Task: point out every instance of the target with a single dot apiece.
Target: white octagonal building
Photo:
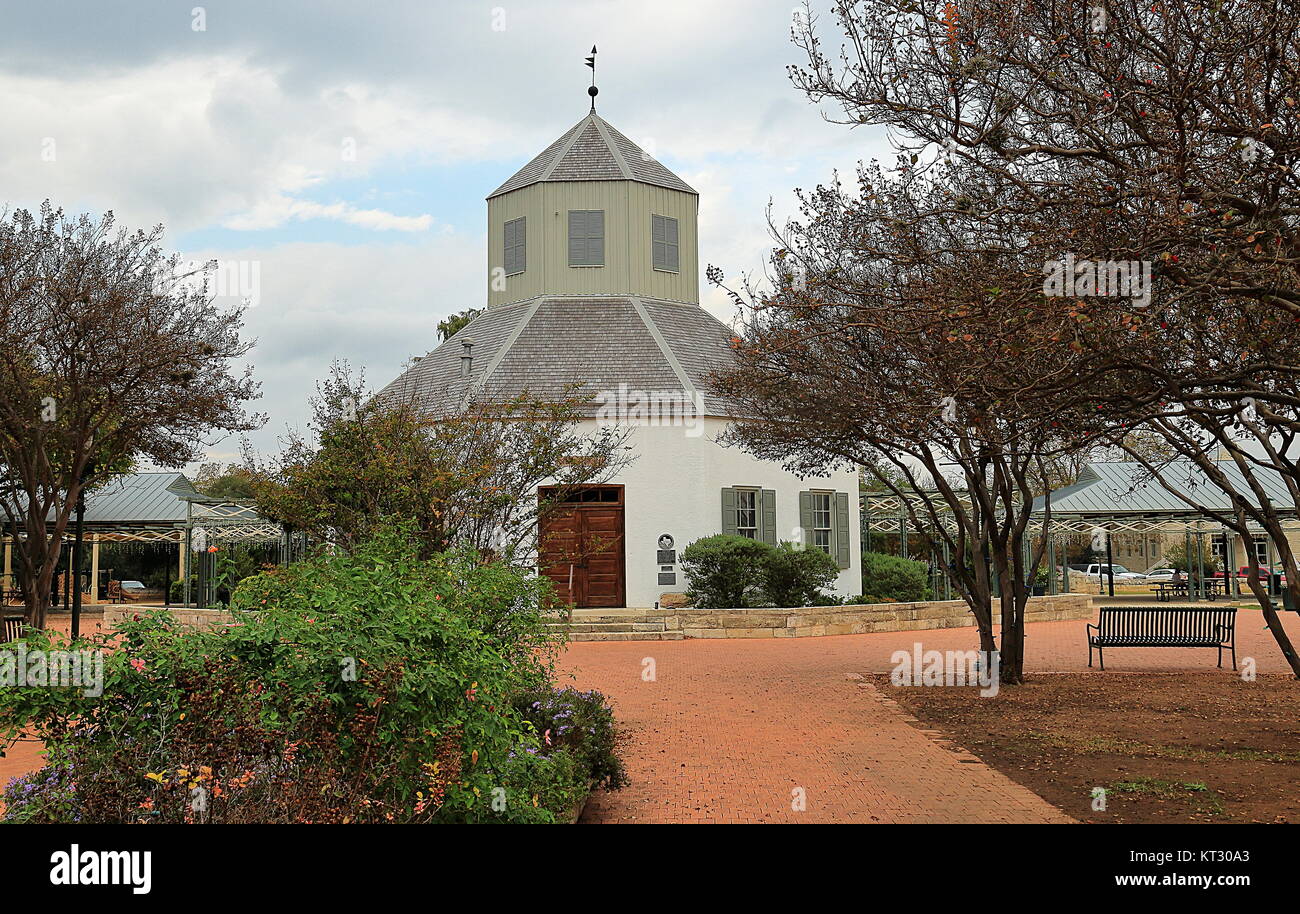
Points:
(593, 273)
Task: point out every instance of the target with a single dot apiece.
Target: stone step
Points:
(626, 636)
(605, 627)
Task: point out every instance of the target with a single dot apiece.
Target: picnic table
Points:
(1210, 588)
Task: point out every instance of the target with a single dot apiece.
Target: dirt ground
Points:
(1165, 747)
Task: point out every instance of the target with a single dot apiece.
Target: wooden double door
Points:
(581, 548)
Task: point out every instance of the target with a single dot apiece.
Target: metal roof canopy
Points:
(163, 508)
(1117, 496)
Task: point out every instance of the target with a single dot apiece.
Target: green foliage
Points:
(232, 482)
(793, 576)
(454, 324)
(233, 564)
(895, 578)
(1177, 557)
(370, 686)
(867, 599)
(734, 572)
(725, 571)
(470, 478)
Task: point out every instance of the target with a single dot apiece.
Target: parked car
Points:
(1121, 574)
(1244, 572)
(1163, 575)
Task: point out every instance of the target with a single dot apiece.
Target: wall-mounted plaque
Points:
(669, 578)
(666, 541)
(667, 557)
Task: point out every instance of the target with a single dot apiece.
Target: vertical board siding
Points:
(628, 244)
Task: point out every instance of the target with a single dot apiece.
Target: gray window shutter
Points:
(768, 520)
(658, 243)
(842, 542)
(663, 242)
(515, 234)
(586, 238)
(577, 237)
(596, 237)
(729, 512)
(805, 517)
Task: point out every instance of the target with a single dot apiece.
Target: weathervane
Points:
(593, 91)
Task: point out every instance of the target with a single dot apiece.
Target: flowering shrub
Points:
(364, 687)
(39, 797)
(581, 723)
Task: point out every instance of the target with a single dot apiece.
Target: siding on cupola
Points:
(628, 269)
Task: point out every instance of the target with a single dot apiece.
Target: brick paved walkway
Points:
(729, 728)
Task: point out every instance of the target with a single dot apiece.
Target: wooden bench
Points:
(1173, 626)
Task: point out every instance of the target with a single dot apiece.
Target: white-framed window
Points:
(1259, 545)
(747, 513)
(586, 237)
(822, 522)
(664, 248)
(515, 257)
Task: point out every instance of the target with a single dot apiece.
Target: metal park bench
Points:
(1174, 626)
(11, 629)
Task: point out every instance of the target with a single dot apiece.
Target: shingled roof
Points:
(592, 150)
(589, 345)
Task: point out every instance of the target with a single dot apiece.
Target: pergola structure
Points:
(164, 510)
(1111, 500)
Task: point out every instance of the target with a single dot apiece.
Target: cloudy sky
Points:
(234, 124)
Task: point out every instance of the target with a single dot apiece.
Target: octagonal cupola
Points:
(593, 215)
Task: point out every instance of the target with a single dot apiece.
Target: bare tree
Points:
(1162, 136)
(898, 343)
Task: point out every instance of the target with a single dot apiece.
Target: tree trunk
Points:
(1012, 656)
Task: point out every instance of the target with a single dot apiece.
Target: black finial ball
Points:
(593, 91)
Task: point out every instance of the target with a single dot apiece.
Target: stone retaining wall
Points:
(855, 620)
(186, 616)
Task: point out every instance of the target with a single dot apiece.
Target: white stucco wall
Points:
(674, 486)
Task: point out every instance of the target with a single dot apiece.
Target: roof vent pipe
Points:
(466, 357)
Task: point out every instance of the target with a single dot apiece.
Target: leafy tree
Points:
(232, 482)
(106, 357)
(470, 477)
(454, 324)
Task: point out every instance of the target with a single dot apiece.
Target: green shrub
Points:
(725, 572)
(364, 687)
(895, 578)
(867, 599)
(794, 576)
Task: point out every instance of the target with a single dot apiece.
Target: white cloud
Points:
(279, 209)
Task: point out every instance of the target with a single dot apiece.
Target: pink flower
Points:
(137, 664)
(547, 737)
